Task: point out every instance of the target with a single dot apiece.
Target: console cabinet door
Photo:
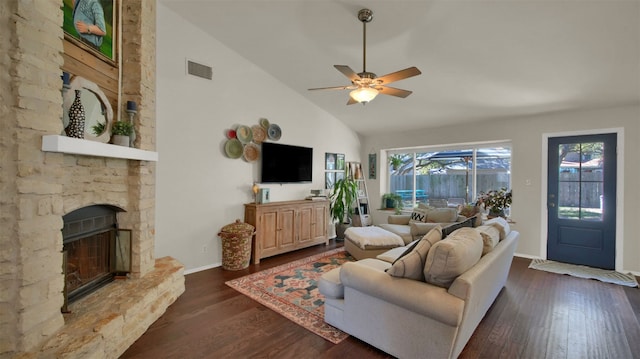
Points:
(267, 232)
(305, 224)
(319, 222)
(286, 228)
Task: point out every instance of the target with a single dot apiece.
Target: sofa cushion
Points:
(490, 237)
(452, 256)
(469, 222)
(418, 215)
(404, 231)
(442, 215)
(399, 219)
(411, 263)
(501, 224)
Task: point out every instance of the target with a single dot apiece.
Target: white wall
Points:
(528, 159)
(199, 189)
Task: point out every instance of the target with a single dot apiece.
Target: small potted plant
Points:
(121, 131)
(343, 195)
(496, 201)
(392, 200)
(98, 128)
(395, 161)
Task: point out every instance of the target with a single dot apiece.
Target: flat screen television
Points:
(286, 163)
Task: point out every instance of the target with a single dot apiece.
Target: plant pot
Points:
(390, 203)
(120, 140)
(340, 229)
(494, 214)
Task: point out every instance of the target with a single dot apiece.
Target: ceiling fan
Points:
(366, 85)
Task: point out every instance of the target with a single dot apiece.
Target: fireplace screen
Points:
(95, 251)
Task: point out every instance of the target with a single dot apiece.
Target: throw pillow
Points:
(418, 215)
(453, 256)
(469, 222)
(442, 215)
(501, 224)
(469, 210)
(490, 237)
(411, 264)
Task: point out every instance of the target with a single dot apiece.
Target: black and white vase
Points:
(76, 118)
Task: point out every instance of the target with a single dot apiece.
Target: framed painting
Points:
(340, 161)
(330, 161)
(373, 165)
(92, 25)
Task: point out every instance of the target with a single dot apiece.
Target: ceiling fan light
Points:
(364, 94)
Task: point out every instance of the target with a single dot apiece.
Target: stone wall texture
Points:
(37, 188)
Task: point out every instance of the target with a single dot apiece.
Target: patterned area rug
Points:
(292, 291)
(603, 275)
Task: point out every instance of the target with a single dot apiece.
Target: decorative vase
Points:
(76, 118)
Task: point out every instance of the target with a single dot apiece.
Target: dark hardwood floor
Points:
(537, 315)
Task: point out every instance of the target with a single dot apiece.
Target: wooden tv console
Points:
(286, 226)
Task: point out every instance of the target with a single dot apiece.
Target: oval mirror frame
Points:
(95, 111)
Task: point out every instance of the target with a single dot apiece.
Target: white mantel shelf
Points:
(77, 146)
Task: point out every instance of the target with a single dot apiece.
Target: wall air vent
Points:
(196, 69)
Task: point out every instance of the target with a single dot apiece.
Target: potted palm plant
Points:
(120, 132)
(343, 195)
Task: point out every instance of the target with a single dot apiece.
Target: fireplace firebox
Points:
(95, 251)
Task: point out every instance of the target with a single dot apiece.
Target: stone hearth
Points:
(105, 323)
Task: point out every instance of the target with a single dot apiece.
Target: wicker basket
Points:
(236, 245)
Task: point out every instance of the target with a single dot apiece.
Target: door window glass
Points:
(581, 181)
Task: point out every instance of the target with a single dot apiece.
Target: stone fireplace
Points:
(38, 189)
(95, 251)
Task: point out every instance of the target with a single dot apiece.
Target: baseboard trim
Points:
(200, 269)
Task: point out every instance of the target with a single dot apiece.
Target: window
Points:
(450, 176)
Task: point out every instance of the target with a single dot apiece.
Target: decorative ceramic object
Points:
(233, 148)
(274, 132)
(259, 134)
(251, 152)
(76, 118)
(120, 140)
(244, 134)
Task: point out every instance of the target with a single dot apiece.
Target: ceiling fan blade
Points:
(398, 75)
(347, 71)
(385, 90)
(333, 88)
(351, 101)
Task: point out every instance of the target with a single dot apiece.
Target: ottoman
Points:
(368, 242)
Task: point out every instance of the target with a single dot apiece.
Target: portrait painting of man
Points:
(91, 23)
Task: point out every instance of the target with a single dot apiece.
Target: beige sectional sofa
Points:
(433, 314)
(409, 228)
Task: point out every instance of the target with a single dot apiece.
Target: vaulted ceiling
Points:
(479, 59)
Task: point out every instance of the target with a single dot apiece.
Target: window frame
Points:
(473, 190)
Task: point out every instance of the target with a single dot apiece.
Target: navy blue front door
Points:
(581, 200)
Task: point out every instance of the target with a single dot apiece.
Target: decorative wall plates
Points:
(274, 132)
(259, 134)
(251, 152)
(244, 134)
(233, 148)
